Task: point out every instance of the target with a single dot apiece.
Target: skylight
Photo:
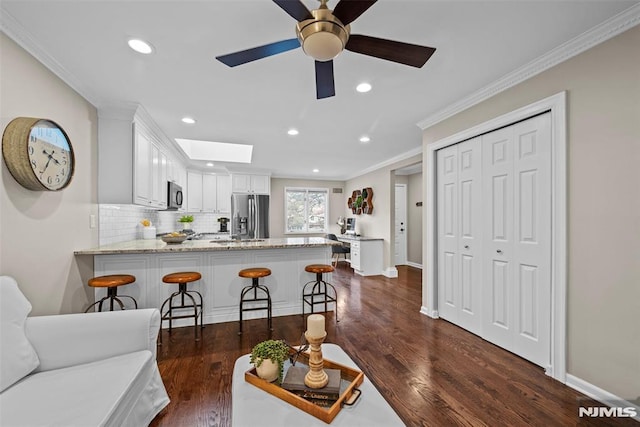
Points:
(216, 151)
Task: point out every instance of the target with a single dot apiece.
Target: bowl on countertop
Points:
(175, 239)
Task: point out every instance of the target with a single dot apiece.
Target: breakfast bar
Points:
(218, 261)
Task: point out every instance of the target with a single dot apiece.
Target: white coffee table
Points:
(252, 407)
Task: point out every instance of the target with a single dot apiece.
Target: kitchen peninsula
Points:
(219, 262)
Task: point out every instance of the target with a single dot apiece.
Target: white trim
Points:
(599, 394)
(390, 272)
(598, 34)
(327, 209)
(431, 313)
(414, 264)
(19, 34)
(389, 162)
(556, 104)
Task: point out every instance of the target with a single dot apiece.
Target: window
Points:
(306, 210)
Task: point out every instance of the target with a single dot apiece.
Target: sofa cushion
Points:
(102, 393)
(16, 352)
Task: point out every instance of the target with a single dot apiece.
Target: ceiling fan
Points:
(324, 33)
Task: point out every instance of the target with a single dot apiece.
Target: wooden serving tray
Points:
(353, 376)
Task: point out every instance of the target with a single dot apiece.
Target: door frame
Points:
(556, 105)
(406, 243)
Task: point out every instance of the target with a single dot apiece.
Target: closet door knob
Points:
(466, 246)
(499, 251)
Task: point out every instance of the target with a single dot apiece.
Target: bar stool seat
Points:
(182, 278)
(255, 274)
(319, 291)
(111, 282)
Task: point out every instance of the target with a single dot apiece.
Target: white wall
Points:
(40, 230)
(603, 115)
(381, 222)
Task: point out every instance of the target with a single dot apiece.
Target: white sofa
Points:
(94, 369)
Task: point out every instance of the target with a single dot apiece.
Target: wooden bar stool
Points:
(316, 291)
(111, 282)
(182, 278)
(255, 274)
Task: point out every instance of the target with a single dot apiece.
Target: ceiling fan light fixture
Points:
(324, 37)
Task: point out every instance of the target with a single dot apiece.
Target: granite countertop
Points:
(158, 246)
(360, 238)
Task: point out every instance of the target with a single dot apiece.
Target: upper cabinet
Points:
(223, 193)
(245, 183)
(149, 172)
(135, 159)
(208, 193)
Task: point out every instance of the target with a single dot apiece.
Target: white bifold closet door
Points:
(459, 234)
(494, 237)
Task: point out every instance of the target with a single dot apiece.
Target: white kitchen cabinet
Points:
(213, 193)
(209, 193)
(194, 191)
(150, 173)
(223, 193)
(135, 159)
(256, 184)
(142, 170)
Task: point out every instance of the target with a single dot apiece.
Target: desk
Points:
(366, 254)
(252, 406)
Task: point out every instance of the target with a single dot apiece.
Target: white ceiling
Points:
(477, 42)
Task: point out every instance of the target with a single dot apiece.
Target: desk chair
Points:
(337, 250)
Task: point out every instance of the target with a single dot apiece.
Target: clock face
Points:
(50, 155)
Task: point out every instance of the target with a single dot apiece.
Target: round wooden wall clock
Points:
(38, 154)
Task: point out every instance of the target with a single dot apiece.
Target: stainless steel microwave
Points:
(174, 194)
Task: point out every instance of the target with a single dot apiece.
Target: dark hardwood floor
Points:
(432, 372)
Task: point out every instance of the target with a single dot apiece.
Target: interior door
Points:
(460, 238)
(517, 221)
(401, 225)
(447, 219)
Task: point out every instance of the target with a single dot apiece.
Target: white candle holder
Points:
(316, 377)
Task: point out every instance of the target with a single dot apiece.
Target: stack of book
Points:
(324, 397)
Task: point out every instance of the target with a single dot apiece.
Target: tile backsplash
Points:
(121, 223)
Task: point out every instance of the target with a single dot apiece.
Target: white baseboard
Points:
(433, 314)
(391, 272)
(599, 394)
(414, 264)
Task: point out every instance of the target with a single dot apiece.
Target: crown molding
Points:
(389, 162)
(19, 34)
(598, 34)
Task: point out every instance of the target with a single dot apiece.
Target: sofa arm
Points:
(72, 339)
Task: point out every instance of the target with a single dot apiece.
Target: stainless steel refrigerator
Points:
(250, 216)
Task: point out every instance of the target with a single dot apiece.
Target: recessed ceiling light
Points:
(316, 170)
(210, 164)
(293, 132)
(140, 46)
(363, 87)
(365, 139)
(188, 120)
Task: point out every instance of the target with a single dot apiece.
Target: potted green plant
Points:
(186, 221)
(268, 358)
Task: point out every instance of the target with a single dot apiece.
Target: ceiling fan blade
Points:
(295, 9)
(325, 86)
(253, 54)
(348, 11)
(403, 53)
